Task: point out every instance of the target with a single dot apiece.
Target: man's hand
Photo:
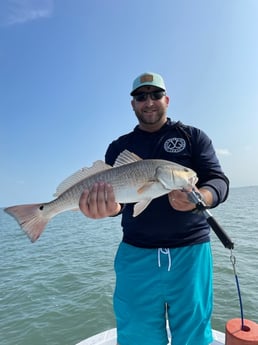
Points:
(179, 199)
(99, 201)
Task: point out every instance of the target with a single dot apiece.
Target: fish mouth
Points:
(187, 180)
(193, 180)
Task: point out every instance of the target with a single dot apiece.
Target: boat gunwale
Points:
(105, 338)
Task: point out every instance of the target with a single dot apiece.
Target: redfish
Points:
(134, 180)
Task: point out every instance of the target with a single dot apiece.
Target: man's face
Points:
(151, 112)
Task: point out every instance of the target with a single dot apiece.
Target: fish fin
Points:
(145, 187)
(31, 218)
(162, 176)
(126, 157)
(80, 175)
(140, 206)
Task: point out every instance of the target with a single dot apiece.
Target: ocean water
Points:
(58, 290)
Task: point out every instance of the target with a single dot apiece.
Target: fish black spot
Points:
(41, 207)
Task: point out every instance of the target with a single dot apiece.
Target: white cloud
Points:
(223, 152)
(22, 11)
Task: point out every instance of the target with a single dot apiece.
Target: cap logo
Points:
(146, 78)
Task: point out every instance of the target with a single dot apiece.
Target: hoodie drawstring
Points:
(164, 251)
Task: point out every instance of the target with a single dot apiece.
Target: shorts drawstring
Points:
(165, 251)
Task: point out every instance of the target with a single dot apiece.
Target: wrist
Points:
(206, 196)
(117, 211)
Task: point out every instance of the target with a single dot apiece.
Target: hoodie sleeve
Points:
(208, 169)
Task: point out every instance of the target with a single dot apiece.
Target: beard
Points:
(150, 117)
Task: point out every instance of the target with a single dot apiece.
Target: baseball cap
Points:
(148, 79)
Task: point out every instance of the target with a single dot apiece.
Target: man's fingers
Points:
(99, 201)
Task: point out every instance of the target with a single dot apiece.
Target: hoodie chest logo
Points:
(174, 145)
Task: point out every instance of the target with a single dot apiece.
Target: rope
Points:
(233, 261)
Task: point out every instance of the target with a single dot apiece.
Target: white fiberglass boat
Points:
(109, 338)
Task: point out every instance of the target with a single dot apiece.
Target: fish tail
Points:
(32, 218)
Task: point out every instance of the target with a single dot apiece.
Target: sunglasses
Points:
(154, 95)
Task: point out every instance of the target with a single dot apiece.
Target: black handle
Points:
(201, 206)
(220, 233)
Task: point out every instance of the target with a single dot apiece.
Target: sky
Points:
(66, 72)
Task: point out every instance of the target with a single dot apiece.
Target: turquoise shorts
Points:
(153, 285)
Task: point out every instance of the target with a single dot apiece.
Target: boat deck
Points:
(109, 338)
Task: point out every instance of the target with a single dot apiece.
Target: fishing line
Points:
(233, 261)
(197, 199)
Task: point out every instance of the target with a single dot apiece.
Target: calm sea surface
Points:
(58, 290)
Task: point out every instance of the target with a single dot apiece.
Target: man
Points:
(163, 264)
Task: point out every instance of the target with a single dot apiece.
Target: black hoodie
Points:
(159, 225)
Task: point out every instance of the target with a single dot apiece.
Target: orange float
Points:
(238, 335)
